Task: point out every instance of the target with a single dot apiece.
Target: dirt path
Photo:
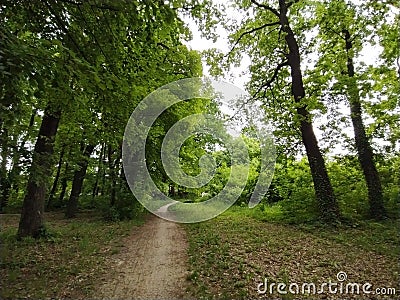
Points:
(152, 266)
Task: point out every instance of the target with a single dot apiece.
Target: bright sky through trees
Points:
(239, 75)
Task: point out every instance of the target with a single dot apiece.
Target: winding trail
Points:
(153, 265)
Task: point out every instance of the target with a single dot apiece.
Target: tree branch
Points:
(267, 84)
(92, 33)
(249, 32)
(272, 79)
(267, 7)
(71, 2)
(162, 45)
(61, 24)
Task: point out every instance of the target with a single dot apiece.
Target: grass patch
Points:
(232, 254)
(64, 264)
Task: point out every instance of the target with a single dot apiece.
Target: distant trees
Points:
(82, 67)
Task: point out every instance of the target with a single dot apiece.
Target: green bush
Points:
(125, 208)
(293, 183)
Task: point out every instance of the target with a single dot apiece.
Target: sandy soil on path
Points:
(153, 265)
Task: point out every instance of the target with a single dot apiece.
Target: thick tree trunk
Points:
(79, 176)
(364, 149)
(31, 222)
(328, 206)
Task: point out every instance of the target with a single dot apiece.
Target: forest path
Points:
(153, 265)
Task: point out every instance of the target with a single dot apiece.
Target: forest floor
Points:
(239, 255)
(88, 258)
(224, 258)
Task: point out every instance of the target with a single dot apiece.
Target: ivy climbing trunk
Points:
(79, 176)
(32, 218)
(364, 149)
(328, 206)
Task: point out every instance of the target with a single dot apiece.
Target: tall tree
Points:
(346, 36)
(270, 37)
(31, 222)
(77, 183)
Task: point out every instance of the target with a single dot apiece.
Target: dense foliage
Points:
(71, 73)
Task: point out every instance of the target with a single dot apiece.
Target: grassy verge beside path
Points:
(232, 254)
(64, 264)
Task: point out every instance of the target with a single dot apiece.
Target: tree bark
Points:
(31, 222)
(364, 149)
(328, 206)
(79, 176)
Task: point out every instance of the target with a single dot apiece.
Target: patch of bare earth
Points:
(153, 265)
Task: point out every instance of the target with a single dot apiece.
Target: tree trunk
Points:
(31, 222)
(15, 172)
(102, 188)
(64, 184)
(96, 188)
(364, 149)
(56, 179)
(113, 165)
(79, 176)
(4, 180)
(328, 206)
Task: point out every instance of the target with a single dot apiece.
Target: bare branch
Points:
(71, 2)
(92, 33)
(267, 7)
(63, 27)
